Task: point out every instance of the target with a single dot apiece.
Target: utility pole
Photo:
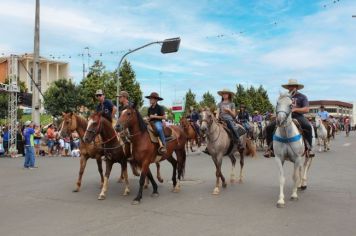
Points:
(36, 105)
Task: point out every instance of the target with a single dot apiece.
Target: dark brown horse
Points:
(192, 135)
(112, 145)
(145, 152)
(71, 123)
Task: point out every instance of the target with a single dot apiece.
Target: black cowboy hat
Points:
(155, 96)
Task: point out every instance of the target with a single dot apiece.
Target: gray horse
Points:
(288, 144)
(218, 144)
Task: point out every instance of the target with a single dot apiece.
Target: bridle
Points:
(209, 123)
(124, 125)
(284, 121)
(95, 131)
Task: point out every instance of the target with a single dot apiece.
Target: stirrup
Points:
(162, 150)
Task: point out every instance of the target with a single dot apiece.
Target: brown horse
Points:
(145, 152)
(71, 123)
(112, 145)
(190, 133)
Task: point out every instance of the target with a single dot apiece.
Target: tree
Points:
(254, 99)
(128, 83)
(189, 101)
(97, 78)
(208, 101)
(62, 96)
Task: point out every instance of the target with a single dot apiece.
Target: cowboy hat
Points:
(322, 106)
(224, 91)
(99, 92)
(293, 82)
(256, 112)
(155, 96)
(123, 94)
(27, 123)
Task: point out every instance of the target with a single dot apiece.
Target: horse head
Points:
(318, 121)
(284, 109)
(207, 120)
(93, 128)
(129, 118)
(69, 124)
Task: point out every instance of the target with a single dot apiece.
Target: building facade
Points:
(50, 71)
(335, 108)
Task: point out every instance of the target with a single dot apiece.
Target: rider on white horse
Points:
(300, 107)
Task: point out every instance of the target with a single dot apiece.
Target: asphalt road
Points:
(41, 202)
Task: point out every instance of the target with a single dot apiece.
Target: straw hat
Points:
(27, 123)
(293, 82)
(155, 96)
(226, 91)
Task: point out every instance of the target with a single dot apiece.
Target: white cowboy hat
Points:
(293, 82)
(27, 123)
(221, 92)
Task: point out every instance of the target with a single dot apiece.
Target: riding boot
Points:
(269, 152)
(206, 151)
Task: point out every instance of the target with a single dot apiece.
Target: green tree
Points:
(62, 96)
(189, 101)
(97, 78)
(208, 101)
(128, 83)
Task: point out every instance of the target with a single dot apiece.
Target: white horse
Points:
(288, 144)
(323, 137)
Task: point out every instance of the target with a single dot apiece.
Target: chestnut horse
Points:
(112, 145)
(71, 123)
(145, 152)
(190, 132)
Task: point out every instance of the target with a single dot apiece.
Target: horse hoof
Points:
(281, 205)
(160, 179)
(126, 193)
(154, 195)
(120, 181)
(176, 190)
(145, 187)
(216, 192)
(241, 181)
(75, 190)
(303, 188)
(135, 202)
(232, 181)
(224, 185)
(294, 199)
(101, 197)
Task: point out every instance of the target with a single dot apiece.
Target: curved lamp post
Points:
(168, 46)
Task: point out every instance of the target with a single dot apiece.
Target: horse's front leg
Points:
(83, 163)
(104, 189)
(126, 178)
(144, 171)
(296, 178)
(159, 177)
(174, 174)
(99, 163)
(307, 164)
(280, 202)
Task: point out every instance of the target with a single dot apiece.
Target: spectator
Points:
(29, 146)
(50, 139)
(37, 139)
(2, 151)
(5, 140)
(13, 151)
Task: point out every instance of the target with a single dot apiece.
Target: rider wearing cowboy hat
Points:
(156, 114)
(226, 112)
(243, 117)
(105, 106)
(300, 107)
(324, 115)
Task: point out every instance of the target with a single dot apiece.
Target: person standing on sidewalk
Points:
(28, 134)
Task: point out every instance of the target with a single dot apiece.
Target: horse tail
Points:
(251, 149)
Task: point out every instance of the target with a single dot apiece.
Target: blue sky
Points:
(264, 42)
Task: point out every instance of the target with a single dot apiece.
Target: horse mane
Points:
(80, 120)
(141, 122)
(284, 95)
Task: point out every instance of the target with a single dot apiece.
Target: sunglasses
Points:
(99, 95)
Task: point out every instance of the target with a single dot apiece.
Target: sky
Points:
(224, 42)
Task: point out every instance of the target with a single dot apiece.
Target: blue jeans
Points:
(29, 156)
(159, 129)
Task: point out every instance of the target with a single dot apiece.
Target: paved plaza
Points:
(41, 201)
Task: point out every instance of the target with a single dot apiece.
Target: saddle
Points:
(168, 133)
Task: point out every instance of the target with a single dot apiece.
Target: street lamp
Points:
(168, 46)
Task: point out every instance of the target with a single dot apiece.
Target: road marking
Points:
(346, 144)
